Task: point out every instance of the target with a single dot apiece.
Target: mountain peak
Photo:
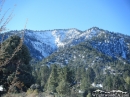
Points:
(45, 42)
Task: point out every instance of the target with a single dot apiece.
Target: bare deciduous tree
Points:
(4, 20)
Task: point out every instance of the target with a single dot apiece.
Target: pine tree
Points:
(89, 95)
(87, 77)
(127, 80)
(66, 74)
(108, 83)
(52, 80)
(84, 85)
(90, 75)
(63, 88)
(14, 65)
(118, 83)
(65, 81)
(44, 74)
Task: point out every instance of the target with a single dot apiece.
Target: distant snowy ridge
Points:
(43, 43)
(46, 42)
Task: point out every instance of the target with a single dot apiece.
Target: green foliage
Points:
(66, 74)
(52, 80)
(127, 80)
(108, 83)
(44, 75)
(87, 78)
(81, 65)
(11, 77)
(57, 76)
(66, 79)
(62, 79)
(63, 88)
(114, 82)
(80, 55)
(90, 75)
(84, 84)
(14, 49)
(15, 69)
(89, 95)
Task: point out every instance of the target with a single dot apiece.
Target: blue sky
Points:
(112, 15)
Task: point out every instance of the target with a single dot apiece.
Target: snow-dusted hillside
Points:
(113, 44)
(43, 43)
(47, 42)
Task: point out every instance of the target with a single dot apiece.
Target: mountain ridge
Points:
(45, 42)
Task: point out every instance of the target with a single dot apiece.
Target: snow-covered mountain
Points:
(43, 43)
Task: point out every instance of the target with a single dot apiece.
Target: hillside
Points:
(84, 60)
(43, 43)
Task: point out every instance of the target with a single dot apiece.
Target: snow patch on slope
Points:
(48, 41)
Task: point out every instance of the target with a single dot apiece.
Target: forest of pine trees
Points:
(18, 75)
(65, 80)
(15, 70)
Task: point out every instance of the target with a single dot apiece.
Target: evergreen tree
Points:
(90, 75)
(84, 85)
(127, 80)
(63, 88)
(52, 80)
(89, 95)
(108, 83)
(118, 83)
(66, 79)
(66, 74)
(15, 71)
(44, 74)
(80, 73)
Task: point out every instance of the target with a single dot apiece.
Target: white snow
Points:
(123, 52)
(1, 88)
(97, 85)
(51, 38)
(124, 55)
(81, 91)
(38, 46)
(54, 39)
(66, 61)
